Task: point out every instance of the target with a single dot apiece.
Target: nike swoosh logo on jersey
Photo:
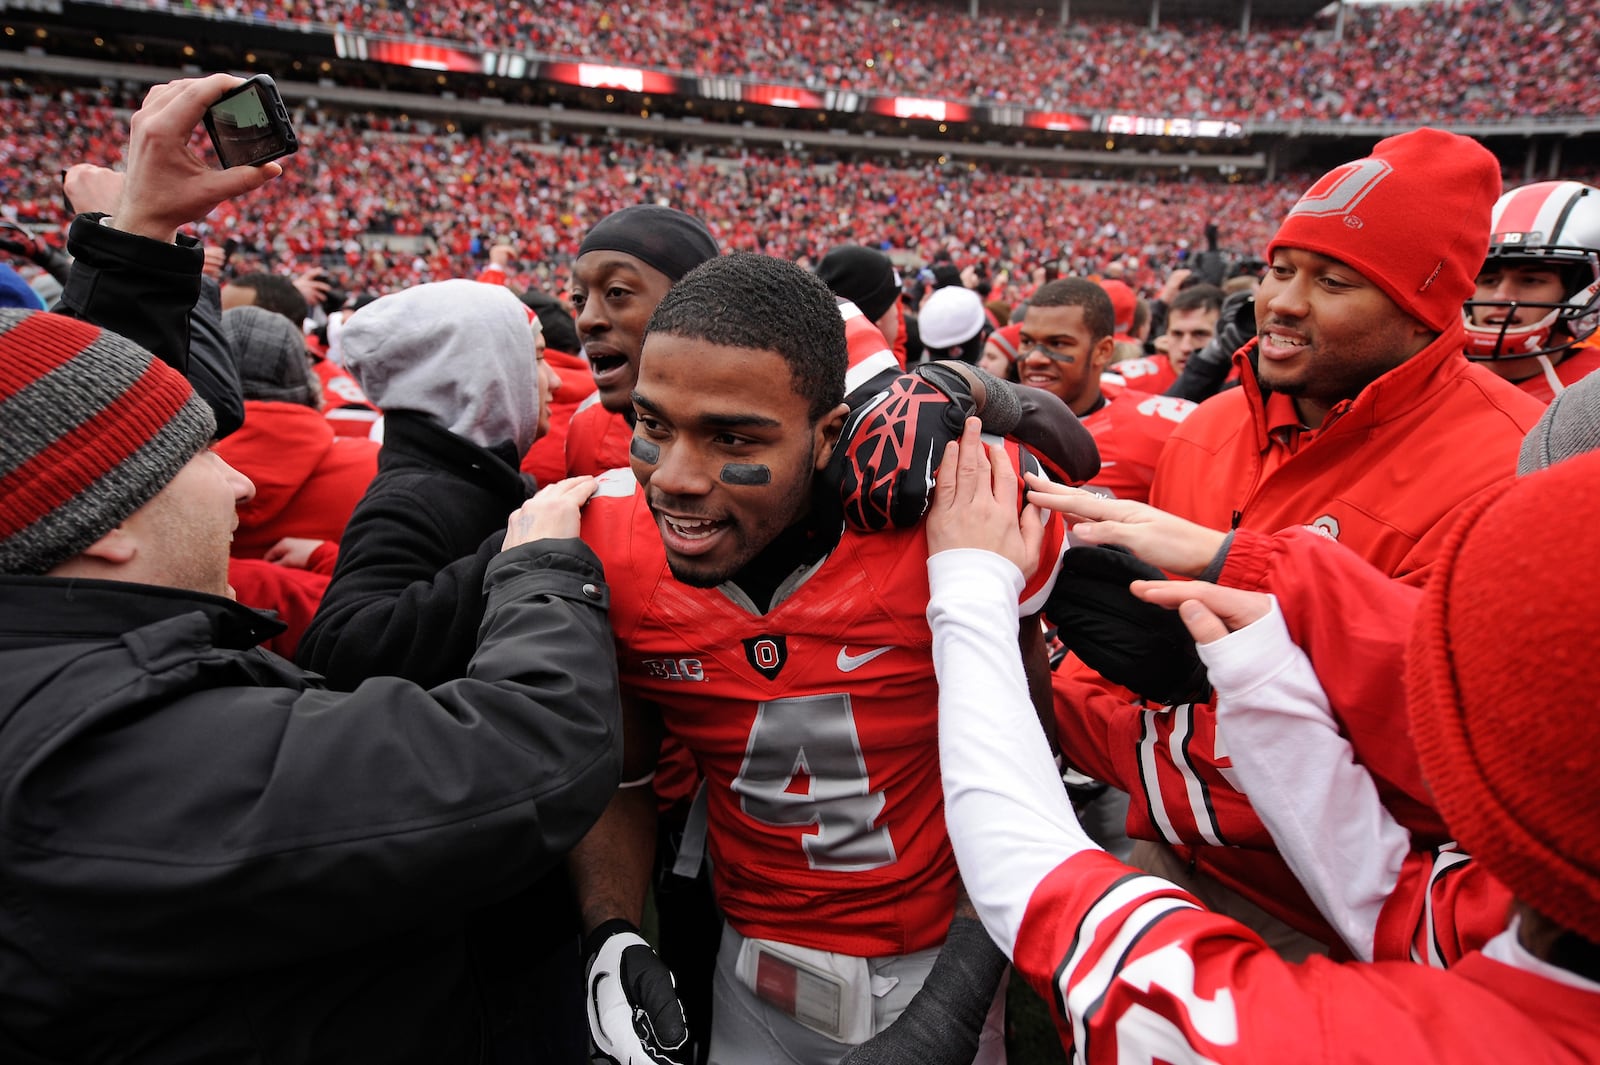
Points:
(849, 663)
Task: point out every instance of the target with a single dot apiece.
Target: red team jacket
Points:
(814, 725)
(1356, 622)
(1384, 476)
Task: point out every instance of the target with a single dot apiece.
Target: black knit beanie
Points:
(662, 237)
(862, 275)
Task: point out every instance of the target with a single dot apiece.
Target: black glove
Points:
(1127, 641)
(1207, 368)
(635, 1017)
(17, 240)
(942, 1023)
(883, 468)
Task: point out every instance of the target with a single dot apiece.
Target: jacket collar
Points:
(1391, 396)
(56, 608)
(419, 436)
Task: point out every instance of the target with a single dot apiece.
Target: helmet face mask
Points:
(1551, 225)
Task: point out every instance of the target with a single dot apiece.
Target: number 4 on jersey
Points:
(815, 736)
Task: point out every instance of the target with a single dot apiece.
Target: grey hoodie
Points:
(460, 351)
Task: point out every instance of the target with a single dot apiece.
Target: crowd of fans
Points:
(1477, 59)
(456, 195)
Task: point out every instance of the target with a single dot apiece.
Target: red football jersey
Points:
(1130, 431)
(1150, 373)
(597, 439)
(815, 726)
(1583, 361)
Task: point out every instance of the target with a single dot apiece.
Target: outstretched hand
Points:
(1167, 541)
(975, 504)
(166, 184)
(1209, 611)
(554, 513)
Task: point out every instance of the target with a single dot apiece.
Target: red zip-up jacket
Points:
(1384, 475)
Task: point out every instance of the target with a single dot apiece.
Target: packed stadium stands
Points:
(1473, 60)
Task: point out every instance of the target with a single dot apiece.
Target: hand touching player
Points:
(553, 513)
(975, 504)
(1161, 539)
(1210, 611)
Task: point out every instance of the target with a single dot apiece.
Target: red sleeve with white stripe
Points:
(1169, 758)
(1136, 972)
(1444, 906)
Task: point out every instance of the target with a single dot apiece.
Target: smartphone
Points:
(249, 125)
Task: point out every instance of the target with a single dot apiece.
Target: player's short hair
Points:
(763, 304)
(276, 294)
(1197, 297)
(1076, 292)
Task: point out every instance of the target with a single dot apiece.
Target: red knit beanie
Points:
(1412, 217)
(1009, 340)
(1500, 681)
(93, 427)
(1123, 305)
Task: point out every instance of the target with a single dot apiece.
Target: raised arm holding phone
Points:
(132, 272)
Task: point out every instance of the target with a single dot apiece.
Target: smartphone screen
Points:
(249, 126)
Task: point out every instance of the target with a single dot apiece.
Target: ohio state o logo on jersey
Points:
(1341, 188)
(767, 654)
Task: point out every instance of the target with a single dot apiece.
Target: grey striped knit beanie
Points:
(1569, 427)
(92, 426)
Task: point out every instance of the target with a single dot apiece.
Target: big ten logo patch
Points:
(688, 669)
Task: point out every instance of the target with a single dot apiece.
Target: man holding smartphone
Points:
(208, 855)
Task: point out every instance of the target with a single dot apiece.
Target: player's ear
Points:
(827, 432)
(1100, 357)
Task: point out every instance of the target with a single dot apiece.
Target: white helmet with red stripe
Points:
(1550, 223)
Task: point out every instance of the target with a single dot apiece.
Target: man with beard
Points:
(1358, 416)
(792, 659)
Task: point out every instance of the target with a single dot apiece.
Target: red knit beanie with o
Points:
(1500, 682)
(1412, 218)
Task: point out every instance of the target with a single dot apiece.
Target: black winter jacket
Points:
(153, 294)
(407, 592)
(407, 599)
(204, 856)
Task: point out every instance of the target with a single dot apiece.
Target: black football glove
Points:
(1127, 641)
(635, 1017)
(882, 470)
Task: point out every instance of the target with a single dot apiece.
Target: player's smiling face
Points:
(726, 452)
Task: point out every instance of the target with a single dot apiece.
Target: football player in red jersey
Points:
(626, 263)
(1065, 344)
(1537, 302)
(791, 657)
(1134, 969)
